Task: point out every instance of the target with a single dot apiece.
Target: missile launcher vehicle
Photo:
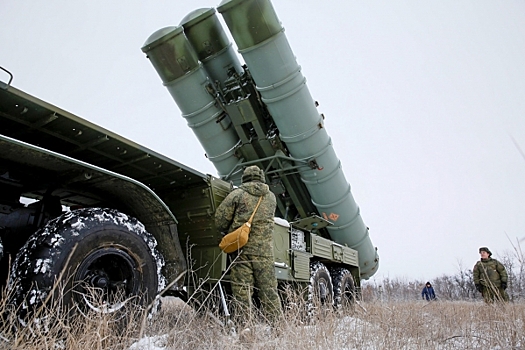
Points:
(85, 206)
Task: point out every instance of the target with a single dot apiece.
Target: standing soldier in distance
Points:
(490, 277)
(254, 265)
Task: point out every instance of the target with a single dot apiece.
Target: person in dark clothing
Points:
(428, 292)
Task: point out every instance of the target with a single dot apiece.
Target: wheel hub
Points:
(99, 281)
(107, 277)
(323, 290)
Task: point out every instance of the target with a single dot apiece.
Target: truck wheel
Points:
(320, 289)
(96, 253)
(344, 290)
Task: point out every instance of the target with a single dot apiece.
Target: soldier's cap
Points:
(485, 249)
(253, 173)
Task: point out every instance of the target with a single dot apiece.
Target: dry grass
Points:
(370, 325)
(445, 325)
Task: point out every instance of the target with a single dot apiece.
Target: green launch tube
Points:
(207, 37)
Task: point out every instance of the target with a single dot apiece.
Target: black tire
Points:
(99, 248)
(320, 289)
(344, 288)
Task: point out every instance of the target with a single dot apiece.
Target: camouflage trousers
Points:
(492, 294)
(255, 274)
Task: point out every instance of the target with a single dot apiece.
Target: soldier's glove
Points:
(479, 288)
(504, 285)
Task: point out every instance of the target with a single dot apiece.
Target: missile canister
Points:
(185, 78)
(260, 38)
(207, 37)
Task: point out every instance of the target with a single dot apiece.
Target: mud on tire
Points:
(92, 249)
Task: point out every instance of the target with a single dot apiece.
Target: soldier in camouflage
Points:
(253, 268)
(490, 277)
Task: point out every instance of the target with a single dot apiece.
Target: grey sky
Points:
(422, 100)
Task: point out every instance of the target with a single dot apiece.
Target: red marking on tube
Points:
(333, 216)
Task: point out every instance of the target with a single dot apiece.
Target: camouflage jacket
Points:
(489, 271)
(237, 208)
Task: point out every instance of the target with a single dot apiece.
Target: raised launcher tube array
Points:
(260, 38)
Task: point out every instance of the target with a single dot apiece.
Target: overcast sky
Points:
(422, 101)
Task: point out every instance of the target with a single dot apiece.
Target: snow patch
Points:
(281, 222)
(151, 343)
(42, 265)
(78, 225)
(34, 296)
(56, 240)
